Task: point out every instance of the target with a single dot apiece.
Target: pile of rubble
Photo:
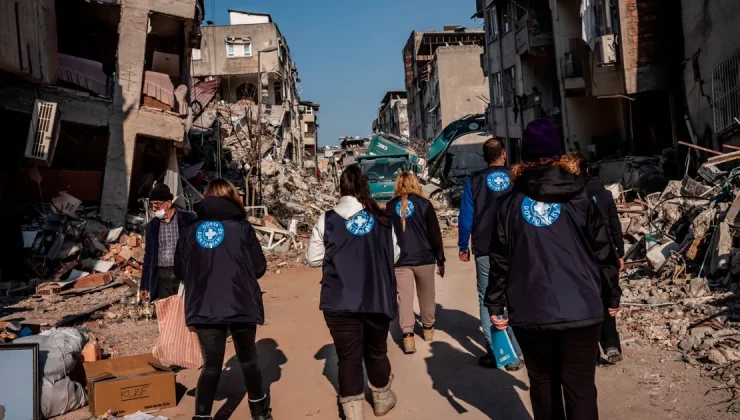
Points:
(77, 264)
(290, 193)
(680, 283)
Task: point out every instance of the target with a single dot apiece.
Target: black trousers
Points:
(169, 284)
(561, 363)
(213, 346)
(609, 334)
(358, 338)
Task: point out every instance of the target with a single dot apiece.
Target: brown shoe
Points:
(428, 334)
(409, 346)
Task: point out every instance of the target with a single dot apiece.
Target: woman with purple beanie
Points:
(554, 270)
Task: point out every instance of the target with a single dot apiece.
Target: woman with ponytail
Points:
(420, 239)
(355, 245)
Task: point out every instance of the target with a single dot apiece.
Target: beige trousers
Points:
(421, 277)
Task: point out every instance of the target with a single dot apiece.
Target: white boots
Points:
(353, 407)
(384, 399)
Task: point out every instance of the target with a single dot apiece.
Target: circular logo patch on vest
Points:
(538, 213)
(409, 208)
(210, 234)
(360, 224)
(498, 181)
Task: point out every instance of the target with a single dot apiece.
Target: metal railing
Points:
(726, 92)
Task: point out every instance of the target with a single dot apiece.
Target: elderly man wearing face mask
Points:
(158, 280)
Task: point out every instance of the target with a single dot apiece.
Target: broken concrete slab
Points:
(698, 287)
(101, 266)
(658, 254)
(703, 222)
(114, 234)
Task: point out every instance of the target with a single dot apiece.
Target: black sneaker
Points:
(513, 367)
(613, 355)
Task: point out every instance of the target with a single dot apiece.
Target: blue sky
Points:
(348, 52)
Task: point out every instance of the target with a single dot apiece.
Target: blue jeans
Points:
(482, 266)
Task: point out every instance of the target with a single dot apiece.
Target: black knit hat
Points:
(161, 192)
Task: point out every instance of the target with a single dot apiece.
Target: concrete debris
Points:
(658, 255)
(685, 294)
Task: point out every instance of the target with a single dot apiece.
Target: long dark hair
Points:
(353, 183)
(226, 190)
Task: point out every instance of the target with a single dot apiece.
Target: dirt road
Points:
(442, 380)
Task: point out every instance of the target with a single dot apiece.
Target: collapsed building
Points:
(96, 95)
(393, 117)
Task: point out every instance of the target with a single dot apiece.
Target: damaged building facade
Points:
(115, 92)
(444, 80)
(309, 114)
(107, 82)
(393, 114)
(603, 70)
(252, 61)
(710, 76)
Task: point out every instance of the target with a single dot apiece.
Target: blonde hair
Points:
(406, 183)
(570, 162)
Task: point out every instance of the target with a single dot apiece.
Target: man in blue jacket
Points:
(158, 279)
(477, 212)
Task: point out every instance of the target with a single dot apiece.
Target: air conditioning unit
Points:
(484, 64)
(606, 50)
(43, 132)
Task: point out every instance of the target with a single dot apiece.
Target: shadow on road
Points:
(463, 328)
(457, 377)
(328, 353)
(231, 386)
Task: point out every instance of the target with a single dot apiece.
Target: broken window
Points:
(88, 65)
(726, 93)
(507, 16)
(492, 24)
(278, 88)
(164, 86)
(498, 92)
(510, 84)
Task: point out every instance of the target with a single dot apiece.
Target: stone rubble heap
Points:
(680, 286)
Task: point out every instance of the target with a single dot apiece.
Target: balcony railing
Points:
(529, 38)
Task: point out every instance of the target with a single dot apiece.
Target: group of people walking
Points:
(546, 263)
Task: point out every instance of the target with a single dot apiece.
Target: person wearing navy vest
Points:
(420, 240)
(610, 342)
(479, 204)
(553, 267)
(219, 258)
(356, 247)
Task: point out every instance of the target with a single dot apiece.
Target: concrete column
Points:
(124, 113)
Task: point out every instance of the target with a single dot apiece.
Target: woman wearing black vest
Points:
(420, 240)
(220, 259)
(355, 244)
(553, 267)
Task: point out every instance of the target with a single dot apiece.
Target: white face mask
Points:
(160, 214)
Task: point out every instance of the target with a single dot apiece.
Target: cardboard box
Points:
(126, 385)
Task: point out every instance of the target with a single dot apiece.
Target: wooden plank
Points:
(704, 149)
(731, 147)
